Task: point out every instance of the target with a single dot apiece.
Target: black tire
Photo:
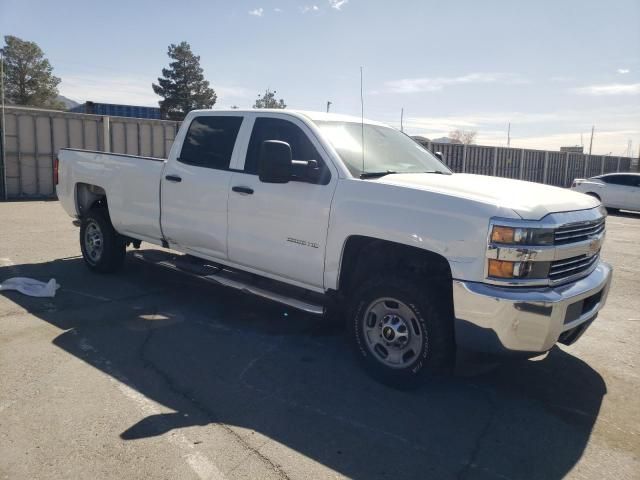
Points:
(96, 223)
(436, 355)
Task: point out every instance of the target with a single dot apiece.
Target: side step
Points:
(294, 297)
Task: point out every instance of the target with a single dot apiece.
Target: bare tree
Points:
(466, 137)
(268, 100)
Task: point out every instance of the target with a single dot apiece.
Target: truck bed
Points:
(132, 185)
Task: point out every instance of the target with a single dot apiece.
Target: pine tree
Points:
(28, 75)
(182, 85)
(268, 100)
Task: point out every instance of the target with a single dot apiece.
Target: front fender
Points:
(455, 228)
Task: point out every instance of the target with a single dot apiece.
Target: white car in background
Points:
(615, 190)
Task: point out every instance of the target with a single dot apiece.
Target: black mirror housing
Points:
(275, 164)
(439, 156)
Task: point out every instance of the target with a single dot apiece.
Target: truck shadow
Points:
(211, 356)
(625, 214)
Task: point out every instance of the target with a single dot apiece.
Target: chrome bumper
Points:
(506, 319)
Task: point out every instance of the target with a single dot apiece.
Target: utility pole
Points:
(3, 169)
(591, 141)
(328, 105)
(401, 119)
(509, 135)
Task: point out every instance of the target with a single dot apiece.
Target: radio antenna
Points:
(362, 118)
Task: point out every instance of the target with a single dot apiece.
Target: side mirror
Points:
(306, 170)
(439, 156)
(274, 163)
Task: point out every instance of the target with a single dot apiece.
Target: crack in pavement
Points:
(471, 462)
(199, 463)
(203, 409)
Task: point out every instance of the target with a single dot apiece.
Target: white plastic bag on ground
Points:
(30, 286)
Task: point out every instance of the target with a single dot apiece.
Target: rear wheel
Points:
(400, 333)
(103, 249)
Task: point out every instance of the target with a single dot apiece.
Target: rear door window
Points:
(210, 141)
(631, 180)
(625, 180)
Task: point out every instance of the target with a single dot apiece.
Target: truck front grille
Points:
(568, 267)
(577, 232)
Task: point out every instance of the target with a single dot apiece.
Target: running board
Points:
(293, 297)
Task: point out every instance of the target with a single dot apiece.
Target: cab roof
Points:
(314, 116)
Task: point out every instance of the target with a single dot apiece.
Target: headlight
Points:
(521, 236)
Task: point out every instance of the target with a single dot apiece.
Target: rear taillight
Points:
(55, 171)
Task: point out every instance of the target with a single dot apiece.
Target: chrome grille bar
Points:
(576, 232)
(571, 266)
(568, 261)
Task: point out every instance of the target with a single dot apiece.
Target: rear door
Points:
(614, 193)
(281, 229)
(195, 186)
(632, 192)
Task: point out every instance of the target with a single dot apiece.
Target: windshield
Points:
(385, 149)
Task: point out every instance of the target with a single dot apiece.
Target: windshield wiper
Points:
(391, 172)
(376, 174)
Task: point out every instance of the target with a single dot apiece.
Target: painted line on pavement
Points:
(201, 465)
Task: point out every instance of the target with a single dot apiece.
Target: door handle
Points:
(173, 178)
(245, 190)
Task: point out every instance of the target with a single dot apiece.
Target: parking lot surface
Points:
(150, 374)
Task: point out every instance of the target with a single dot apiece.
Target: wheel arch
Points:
(365, 256)
(89, 196)
(594, 194)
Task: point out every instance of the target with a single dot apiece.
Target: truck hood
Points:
(529, 200)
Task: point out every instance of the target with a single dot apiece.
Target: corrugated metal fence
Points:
(542, 166)
(33, 138)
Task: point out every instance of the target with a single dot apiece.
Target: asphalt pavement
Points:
(149, 374)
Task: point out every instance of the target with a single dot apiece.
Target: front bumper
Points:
(495, 319)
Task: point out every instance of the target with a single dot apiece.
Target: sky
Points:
(551, 68)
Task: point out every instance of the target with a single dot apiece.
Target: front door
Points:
(195, 187)
(281, 229)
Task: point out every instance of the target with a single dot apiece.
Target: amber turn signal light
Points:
(500, 269)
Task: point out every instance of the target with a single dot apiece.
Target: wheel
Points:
(400, 332)
(103, 249)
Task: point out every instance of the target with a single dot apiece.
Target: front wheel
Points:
(400, 331)
(103, 249)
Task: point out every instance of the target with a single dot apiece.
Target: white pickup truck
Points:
(321, 211)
